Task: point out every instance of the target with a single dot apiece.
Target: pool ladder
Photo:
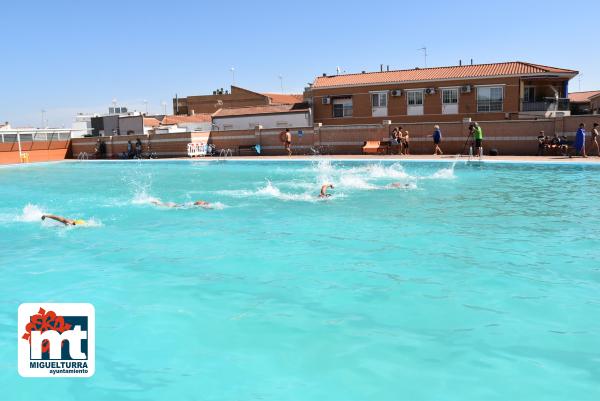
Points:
(225, 153)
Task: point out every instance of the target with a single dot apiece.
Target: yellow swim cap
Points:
(79, 222)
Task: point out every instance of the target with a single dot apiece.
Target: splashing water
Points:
(142, 198)
(30, 213)
(444, 173)
(270, 191)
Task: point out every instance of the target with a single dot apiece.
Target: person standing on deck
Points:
(286, 138)
(400, 140)
(129, 150)
(437, 139)
(406, 142)
(138, 148)
(595, 134)
(478, 136)
(580, 141)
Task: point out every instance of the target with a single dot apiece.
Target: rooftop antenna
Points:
(338, 69)
(424, 50)
(164, 105)
(146, 106)
(232, 76)
(43, 118)
(281, 82)
(579, 79)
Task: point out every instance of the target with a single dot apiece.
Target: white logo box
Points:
(78, 363)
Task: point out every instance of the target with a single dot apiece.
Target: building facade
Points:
(482, 92)
(267, 117)
(595, 104)
(587, 102)
(237, 97)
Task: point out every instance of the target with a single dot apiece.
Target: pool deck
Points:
(446, 158)
(411, 158)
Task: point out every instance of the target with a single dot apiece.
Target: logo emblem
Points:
(56, 340)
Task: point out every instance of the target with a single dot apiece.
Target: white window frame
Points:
(417, 109)
(380, 95)
(453, 88)
(413, 91)
(347, 107)
(450, 108)
(489, 108)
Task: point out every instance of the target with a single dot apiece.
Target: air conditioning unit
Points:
(429, 91)
(465, 89)
(326, 100)
(396, 92)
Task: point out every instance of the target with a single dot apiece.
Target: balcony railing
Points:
(548, 104)
(485, 106)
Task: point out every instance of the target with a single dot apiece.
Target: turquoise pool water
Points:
(469, 282)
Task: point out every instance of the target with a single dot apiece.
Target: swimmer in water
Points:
(203, 204)
(165, 204)
(65, 221)
(324, 188)
(399, 185)
(199, 203)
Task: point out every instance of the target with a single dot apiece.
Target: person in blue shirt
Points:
(580, 140)
(437, 139)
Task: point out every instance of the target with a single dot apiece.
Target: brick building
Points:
(497, 91)
(238, 97)
(585, 102)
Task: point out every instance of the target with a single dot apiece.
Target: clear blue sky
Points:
(76, 56)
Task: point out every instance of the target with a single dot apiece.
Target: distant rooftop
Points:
(254, 110)
(582, 97)
(278, 98)
(512, 68)
(179, 119)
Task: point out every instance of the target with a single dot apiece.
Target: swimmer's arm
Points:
(66, 222)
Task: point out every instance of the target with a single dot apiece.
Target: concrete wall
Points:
(163, 145)
(268, 121)
(133, 124)
(38, 151)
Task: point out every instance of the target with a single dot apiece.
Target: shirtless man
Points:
(324, 188)
(65, 221)
(287, 140)
(399, 185)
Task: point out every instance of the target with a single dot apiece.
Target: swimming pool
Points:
(468, 282)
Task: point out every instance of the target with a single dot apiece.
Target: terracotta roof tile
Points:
(196, 118)
(151, 122)
(515, 68)
(582, 97)
(278, 98)
(254, 110)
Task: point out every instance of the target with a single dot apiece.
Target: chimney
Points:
(460, 63)
(324, 74)
(388, 67)
(381, 67)
(471, 61)
(364, 72)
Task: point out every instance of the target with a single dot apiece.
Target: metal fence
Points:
(546, 105)
(13, 136)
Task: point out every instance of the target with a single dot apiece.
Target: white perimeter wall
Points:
(280, 120)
